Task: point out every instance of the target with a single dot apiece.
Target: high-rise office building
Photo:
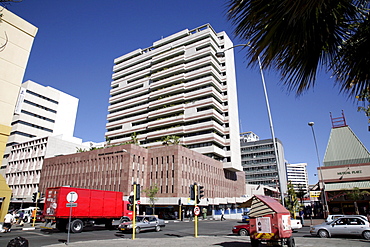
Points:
(297, 175)
(259, 161)
(178, 90)
(41, 111)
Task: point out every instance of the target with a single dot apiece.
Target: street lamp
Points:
(326, 208)
(222, 54)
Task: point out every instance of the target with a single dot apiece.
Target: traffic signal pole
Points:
(134, 214)
(195, 205)
(34, 212)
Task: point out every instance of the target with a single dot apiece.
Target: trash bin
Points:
(18, 242)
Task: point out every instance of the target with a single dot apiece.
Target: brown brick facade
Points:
(172, 168)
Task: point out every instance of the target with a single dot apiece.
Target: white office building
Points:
(178, 88)
(297, 175)
(26, 160)
(41, 111)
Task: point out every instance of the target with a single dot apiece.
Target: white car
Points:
(332, 217)
(295, 224)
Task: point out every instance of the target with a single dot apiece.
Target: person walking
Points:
(8, 221)
(204, 211)
(301, 214)
(222, 214)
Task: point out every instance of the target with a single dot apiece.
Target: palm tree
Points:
(172, 139)
(299, 37)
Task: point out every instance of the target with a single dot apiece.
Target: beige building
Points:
(16, 39)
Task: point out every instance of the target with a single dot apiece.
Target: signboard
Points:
(315, 193)
(263, 225)
(196, 210)
(71, 205)
(138, 202)
(72, 196)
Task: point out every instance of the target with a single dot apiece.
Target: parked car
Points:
(332, 217)
(143, 223)
(295, 224)
(242, 230)
(347, 225)
(245, 217)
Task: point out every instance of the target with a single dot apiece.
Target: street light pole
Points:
(326, 208)
(222, 54)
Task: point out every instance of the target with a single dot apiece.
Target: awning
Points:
(347, 185)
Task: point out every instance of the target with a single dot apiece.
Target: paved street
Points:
(211, 233)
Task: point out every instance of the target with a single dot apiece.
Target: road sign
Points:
(196, 210)
(138, 202)
(71, 205)
(72, 196)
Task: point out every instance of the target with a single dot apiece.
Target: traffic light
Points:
(200, 193)
(192, 192)
(35, 196)
(137, 192)
(41, 195)
(131, 199)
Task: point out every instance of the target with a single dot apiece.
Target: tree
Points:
(134, 139)
(291, 201)
(301, 193)
(298, 38)
(355, 195)
(364, 98)
(172, 139)
(151, 192)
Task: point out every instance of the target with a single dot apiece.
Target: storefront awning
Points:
(347, 185)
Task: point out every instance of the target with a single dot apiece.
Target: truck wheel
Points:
(290, 242)
(255, 242)
(77, 226)
(157, 228)
(137, 230)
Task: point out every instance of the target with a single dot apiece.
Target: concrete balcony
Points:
(131, 71)
(167, 110)
(166, 121)
(172, 70)
(169, 53)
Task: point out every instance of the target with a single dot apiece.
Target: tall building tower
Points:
(178, 90)
(41, 111)
(259, 161)
(16, 39)
(297, 175)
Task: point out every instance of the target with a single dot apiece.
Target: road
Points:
(174, 234)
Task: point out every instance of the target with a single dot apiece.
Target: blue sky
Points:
(77, 42)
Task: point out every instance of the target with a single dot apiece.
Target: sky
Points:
(77, 42)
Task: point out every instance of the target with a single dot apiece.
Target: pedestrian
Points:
(204, 211)
(20, 218)
(182, 214)
(301, 214)
(190, 215)
(8, 221)
(222, 214)
(176, 215)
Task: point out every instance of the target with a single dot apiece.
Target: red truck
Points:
(83, 207)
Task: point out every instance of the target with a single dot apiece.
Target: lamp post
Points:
(222, 54)
(326, 208)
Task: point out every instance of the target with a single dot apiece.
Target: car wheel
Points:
(137, 230)
(76, 226)
(323, 234)
(243, 232)
(366, 235)
(157, 228)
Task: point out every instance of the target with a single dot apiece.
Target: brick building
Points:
(172, 168)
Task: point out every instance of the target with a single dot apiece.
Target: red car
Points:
(242, 230)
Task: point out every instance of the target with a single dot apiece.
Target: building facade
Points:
(178, 89)
(25, 163)
(297, 175)
(172, 168)
(346, 167)
(259, 161)
(16, 39)
(41, 111)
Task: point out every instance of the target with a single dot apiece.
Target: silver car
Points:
(143, 223)
(348, 225)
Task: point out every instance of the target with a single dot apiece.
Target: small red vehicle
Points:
(269, 222)
(241, 230)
